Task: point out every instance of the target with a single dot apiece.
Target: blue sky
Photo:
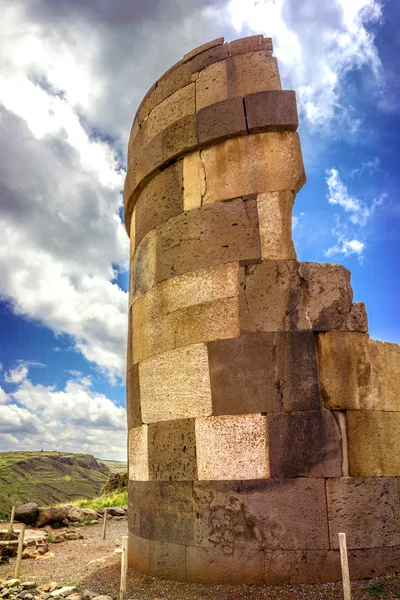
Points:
(71, 78)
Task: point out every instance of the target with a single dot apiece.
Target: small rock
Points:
(102, 598)
(74, 597)
(75, 514)
(90, 513)
(10, 583)
(28, 585)
(64, 591)
(88, 595)
(26, 595)
(27, 513)
(116, 511)
(57, 539)
(51, 514)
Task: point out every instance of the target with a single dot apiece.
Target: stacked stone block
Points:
(262, 419)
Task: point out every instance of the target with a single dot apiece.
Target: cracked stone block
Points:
(179, 137)
(207, 236)
(273, 110)
(238, 75)
(194, 180)
(172, 450)
(367, 510)
(159, 201)
(232, 447)
(329, 295)
(164, 510)
(180, 104)
(175, 385)
(264, 372)
(271, 298)
(143, 267)
(167, 560)
(139, 553)
(374, 443)
(212, 565)
(253, 164)
(207, 46)
(357, 372)
(275, 225)
(221, 120)
(194, 307)
(304, 444)
(138, 454)
(133, 408)
(357, 319)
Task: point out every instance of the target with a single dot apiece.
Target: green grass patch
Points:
(113, 499)
(376, 589)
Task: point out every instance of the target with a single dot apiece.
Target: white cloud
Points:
(317, 45)
(3, 396)
(17, 374)
(368, 166)
(346, 248)
(73, 419)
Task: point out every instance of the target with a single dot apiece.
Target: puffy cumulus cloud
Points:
(3, 396)
(317, 45)
(75, 419)
(346, 247)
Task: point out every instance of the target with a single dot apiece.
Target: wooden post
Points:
(124, 567)
(20, 548)
(11, 528)
(104, 524)
(345, 566)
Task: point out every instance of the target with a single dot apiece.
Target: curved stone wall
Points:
(262, 418)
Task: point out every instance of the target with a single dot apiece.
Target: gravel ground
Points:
(92, 564)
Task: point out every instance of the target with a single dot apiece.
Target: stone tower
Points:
(262, 418)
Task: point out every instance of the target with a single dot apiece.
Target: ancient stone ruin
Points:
(262, 418)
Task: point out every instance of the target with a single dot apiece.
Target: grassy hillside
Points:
(48, 478)
(115, 466)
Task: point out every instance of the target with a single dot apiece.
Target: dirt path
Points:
(92, 564)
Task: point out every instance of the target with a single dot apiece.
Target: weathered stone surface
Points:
(221, 120)
(253, 164)
(172, 450)
(273, 110)
(194, 307)
(27, 513)
(160, 200)
(232, 447)
(133, 407)
(275, 225)
(132, 234)
(358, 373)
(51, 514)
(175, 385)
(251, 43)
(207, 236)
(167, 560)
(147, 104)
(179, 137)
(178, 105)
(374, 443)
(143, 158)
(236, 76)
(164, 511)
(208, 57)
(202, 48)
(139, 553)
(264, 372)
(212, 565)
(75, 514)
(374, 562)
(271, 298)
(367, 510)
(194, 180)
(328, 294)
(357, 319)
(172, 80)
(143, 267)
(138, 456)
(302, 566)
(304, 444)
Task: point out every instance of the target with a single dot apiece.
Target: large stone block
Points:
(139, 553)
(251, 164)
(221, 120)
(374, 443)
(138, 456)
(206, 236)
(179, 137)
(274, 110)
(167, 560)
(264, 372)
(194, 307)
(250, 43)
(208, 57)
(275, 225)
(178, 105)
(164, 510)
(177, 77)
(328, 293)
(172, 450)
(143, 267)
(271, 298)
(211, 565)
(133, 408)
(202, 48)
(159, 201)
(366, 510)
(232, 447)
(284, 567)
(358, 373)
(194, 180)
(304, 444)
(238, 75)
(175, 385)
